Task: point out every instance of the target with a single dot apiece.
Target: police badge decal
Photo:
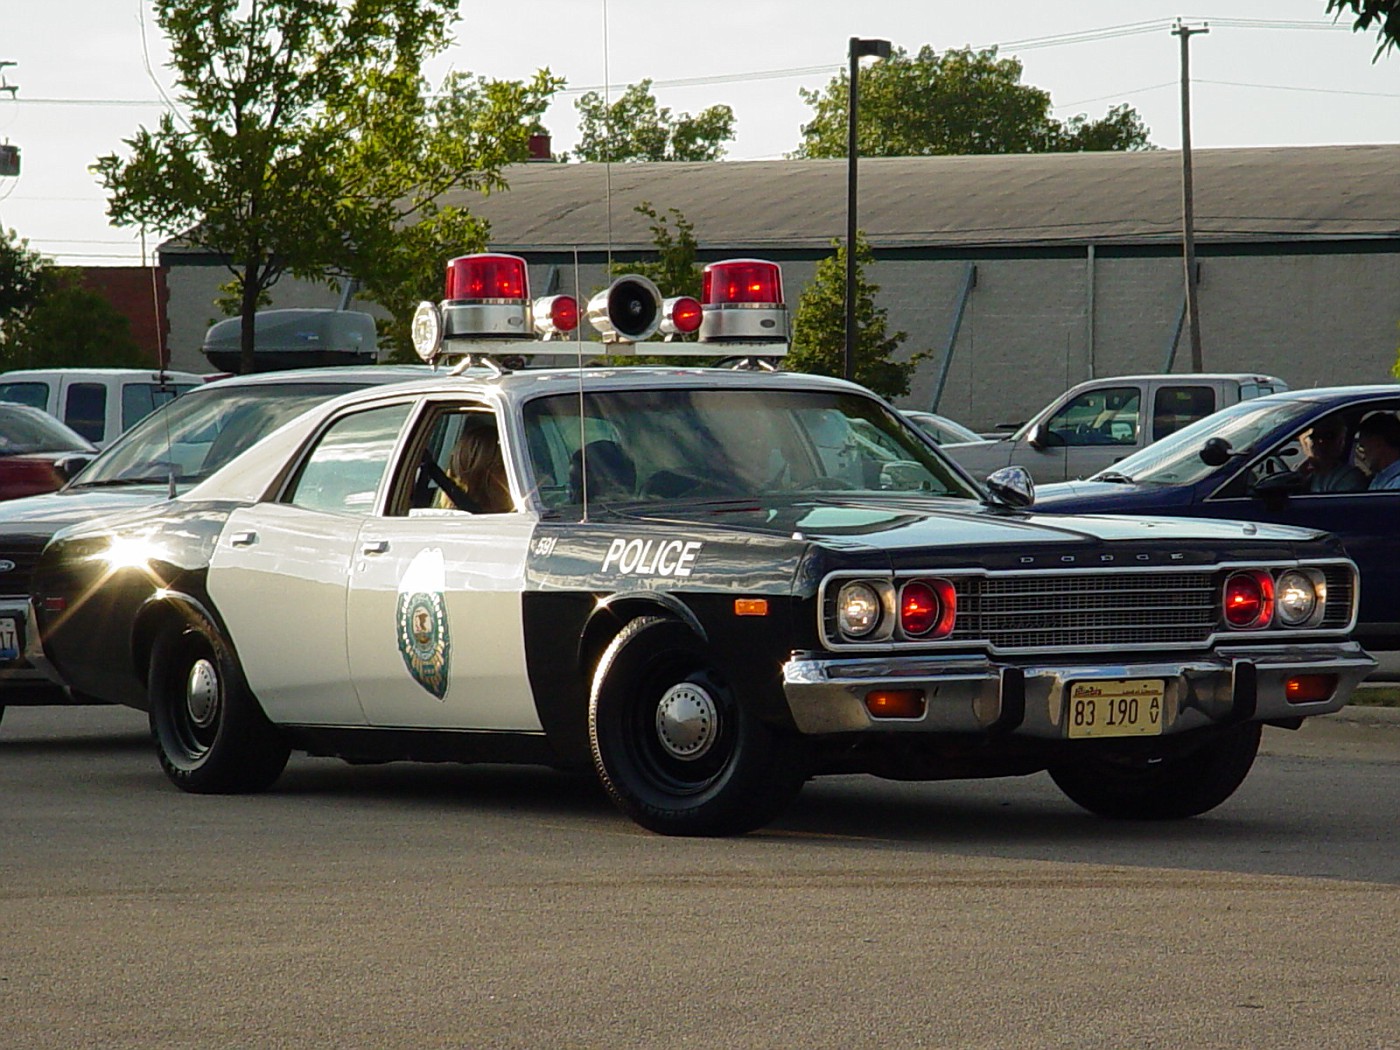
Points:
(424, 640)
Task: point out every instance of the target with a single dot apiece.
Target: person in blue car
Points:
(1378, 438)
(1327, 466)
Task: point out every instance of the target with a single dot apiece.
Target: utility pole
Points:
(859, 48)
(1188, 204)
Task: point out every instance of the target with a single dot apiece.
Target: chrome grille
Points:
(1088, 610)
(15, 582)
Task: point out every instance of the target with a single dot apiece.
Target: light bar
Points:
(487, 297)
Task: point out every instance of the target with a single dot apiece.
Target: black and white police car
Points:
(708, 585)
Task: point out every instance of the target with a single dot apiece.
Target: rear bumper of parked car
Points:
(969, 694)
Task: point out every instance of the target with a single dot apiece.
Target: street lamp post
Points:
(859, 48)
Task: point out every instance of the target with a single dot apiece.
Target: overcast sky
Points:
(1269, 72)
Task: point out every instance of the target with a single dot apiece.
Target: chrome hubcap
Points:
(202, 694)
(687, 721)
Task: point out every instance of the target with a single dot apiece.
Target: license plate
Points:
(9, 639)
(1115, 707)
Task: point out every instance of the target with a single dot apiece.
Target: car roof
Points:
(369, 374)
(526, 383)
(1358, 392)
(1181, 377)
(21, 373)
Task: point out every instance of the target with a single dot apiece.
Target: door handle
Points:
(243, 539)
(375, 547)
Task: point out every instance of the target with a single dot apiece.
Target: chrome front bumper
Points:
(980, 695)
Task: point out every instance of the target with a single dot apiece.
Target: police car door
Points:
(280, 571)
(436, 638)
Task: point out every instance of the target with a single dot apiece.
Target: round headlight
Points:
(1295, 594)
(857, 609)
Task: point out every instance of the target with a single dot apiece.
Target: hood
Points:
(36, 518)
(890, 525)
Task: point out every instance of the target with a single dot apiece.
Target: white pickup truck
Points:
(1091, 426)
(99, 403)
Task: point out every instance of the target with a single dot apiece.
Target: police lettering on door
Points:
(652, 557)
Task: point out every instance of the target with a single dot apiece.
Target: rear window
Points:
(35, 395)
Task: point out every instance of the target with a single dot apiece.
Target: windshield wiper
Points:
(1113, 476)
(163, 479)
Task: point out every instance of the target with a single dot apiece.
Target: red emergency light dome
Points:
(743, 281)
(487, 297)
(680, 315)
(743, 303)
(486, 276)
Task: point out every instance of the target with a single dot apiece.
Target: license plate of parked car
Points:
(9, 639)
(1116, 707)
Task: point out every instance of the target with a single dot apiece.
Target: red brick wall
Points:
(141, 294)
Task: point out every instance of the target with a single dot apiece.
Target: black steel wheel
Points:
(673, 745)
(211, 735)
(1174, 778)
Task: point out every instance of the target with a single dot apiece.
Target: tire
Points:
(210, 733)
(674, 747)
(1188, 778)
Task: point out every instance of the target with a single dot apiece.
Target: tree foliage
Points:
(69, 326)
(819, 329)
(634, 128)
(307, 142)
(1382, 15)
(21, 275)
(959, 102)
(676, 269)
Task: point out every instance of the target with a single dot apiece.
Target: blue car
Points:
(1244, 462)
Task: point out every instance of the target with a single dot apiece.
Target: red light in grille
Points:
(1249, 599)
(486, 277)
(742, 281)
(685, 313)
(927, 608)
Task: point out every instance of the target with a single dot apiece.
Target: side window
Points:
(1174, 407)
(343, 471)
(35, 395)
(457, 464)
(1097, 417)
(85, 409)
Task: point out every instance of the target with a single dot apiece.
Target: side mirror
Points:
(69, 466)
(1011, 486)
(1216, 452)
(1037, 437)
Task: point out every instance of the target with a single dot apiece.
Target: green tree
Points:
(819, 329)
(635, 128)
(21, 276)
(69, 326)
(309, 143)
(676, 269)
(1383, 15)
(958, 102)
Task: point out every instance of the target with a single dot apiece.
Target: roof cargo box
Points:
(295, 338)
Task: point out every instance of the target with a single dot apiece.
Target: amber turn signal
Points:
(896, 703)
(750, 606)
(1310, 688)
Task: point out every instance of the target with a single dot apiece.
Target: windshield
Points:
(1176, 459)
(653, 445)
(22, 431)
(199, 432)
